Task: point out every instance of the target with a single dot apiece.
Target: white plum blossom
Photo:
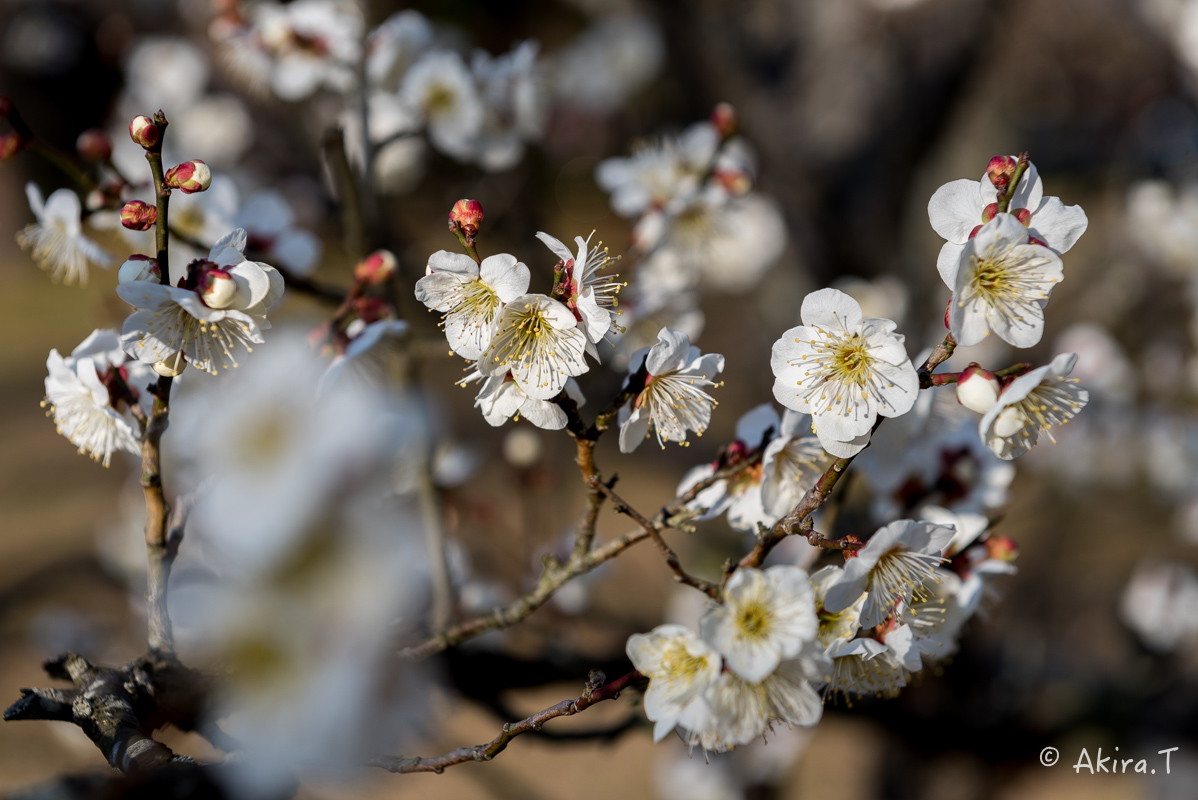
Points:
(513, 90)
(658, 175)
(891, 568)
(90, 394)
(440, 90)
(791, 465)
(56, 240)
(1033, 404)
(500, 398)
(592, 296)
(1000, 283)
(610, 61)
(834, 626)
(358, 358)
(394, 45)
(224, 307)
(741, 711)
(536, 338)
(844, 370)
(766, 617)
(673, 399)
(680, 667)
(471, 296)
(313, 44)
(959, 207)
(865, 667)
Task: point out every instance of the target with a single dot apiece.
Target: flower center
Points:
(677, 662)
(852, 361)
(753, 620)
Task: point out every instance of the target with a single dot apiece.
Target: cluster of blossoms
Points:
(778, 636)
(698, 223)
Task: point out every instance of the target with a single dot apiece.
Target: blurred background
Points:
(855, 112)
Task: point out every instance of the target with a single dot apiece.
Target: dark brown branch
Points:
(353, 225)
(117, 708)
(487, 751)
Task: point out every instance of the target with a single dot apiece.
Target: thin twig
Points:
(487, 751)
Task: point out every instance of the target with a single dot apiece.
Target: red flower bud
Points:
(1000, 171)
(466, 216)
(144, 131)
(138, 216)
(376, 267)
(723, 117)
(94, 145)
(10, 145)
(1002, 548)
(977, 388)
(189, 177)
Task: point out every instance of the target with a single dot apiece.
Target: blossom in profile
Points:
(500, 398)
(791, 464)
(673, 399)
(91, 392)
(1000, 284)
(471, 296)
(834, 626)
(865, 667)
(766, 617)
(56, 240)
(592, 297)
(680, 667)
(844, 370)
(222, 305)
(537, 340)
(1031, 405)
(890, 569)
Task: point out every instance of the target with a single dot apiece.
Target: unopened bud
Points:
(171, 370)
(139, 268)
(977, 389)
(189, 177)
(376, 267)
(218, 289)
(1002, 548)
(1000, 170)
(723, 118)
(94, 145)
(144, 131)
(10, 145)
(466, 216)
(138, 216)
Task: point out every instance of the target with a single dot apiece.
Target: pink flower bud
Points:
(1002, 548)
(1000, 171)
(138, 216)
(94, 145)
(189, 177)
(376, 267)
(218, 289)
(723, 118)
(466, 215)
(139, 268)
(977, 388)
(10, 145)
(144, 131)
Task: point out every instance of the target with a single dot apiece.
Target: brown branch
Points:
(653, 529)
(353, 224)
(161, 548)
(485, 752)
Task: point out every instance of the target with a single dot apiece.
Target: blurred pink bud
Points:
(138, 216)
(144, 131)
(466, 215)
(190, 176)
(1000, 171)
(139, 268)
(376, 267)
(10, 145)
(94, 145)
(977, 388)
(723, 117)
(735, 181)
(1002, 548)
